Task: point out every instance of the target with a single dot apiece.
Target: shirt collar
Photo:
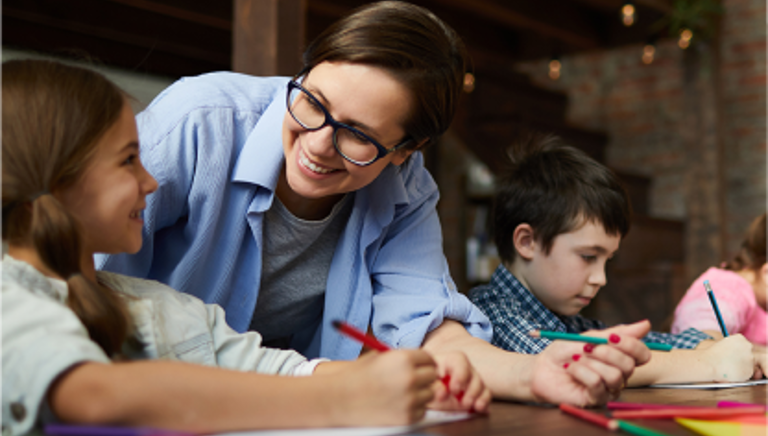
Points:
(263, 150)
(510, 286)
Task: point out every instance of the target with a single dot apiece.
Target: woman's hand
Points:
(459, 386)
(585, 374)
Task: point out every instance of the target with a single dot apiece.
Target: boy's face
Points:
(566, 279)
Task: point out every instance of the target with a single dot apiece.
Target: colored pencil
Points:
(594, 418)
(738, 404)
(589, 339)
(637, 430)
(712, 300)
(616, 405)
(356, 334)
(690, 412)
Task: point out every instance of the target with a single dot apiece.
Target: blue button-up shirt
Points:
(214, 144)
(514, 311)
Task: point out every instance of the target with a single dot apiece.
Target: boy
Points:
(559, 216)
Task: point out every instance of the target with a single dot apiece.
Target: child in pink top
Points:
(740, 289)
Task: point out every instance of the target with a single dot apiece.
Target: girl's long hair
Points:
(53, 117)
(751, 254)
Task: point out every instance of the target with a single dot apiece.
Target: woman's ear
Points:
(402, 155)
(524, 240)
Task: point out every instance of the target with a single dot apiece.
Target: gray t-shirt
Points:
(297, 258)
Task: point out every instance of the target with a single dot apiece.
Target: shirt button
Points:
(18, 411)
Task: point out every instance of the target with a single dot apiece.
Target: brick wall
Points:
(646, 112)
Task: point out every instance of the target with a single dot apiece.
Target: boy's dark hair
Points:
(555, 188)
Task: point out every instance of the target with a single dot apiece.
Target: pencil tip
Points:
(534, 333)
(336, 324)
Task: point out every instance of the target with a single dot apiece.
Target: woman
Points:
(89, 347)
(333, 216)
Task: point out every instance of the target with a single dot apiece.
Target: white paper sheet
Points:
(710, 385)
(433, 417)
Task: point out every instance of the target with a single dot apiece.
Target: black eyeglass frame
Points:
(336, 125)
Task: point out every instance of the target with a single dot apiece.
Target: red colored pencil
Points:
(620, 405)
(691, 412)
(594, 418)
(354, 333)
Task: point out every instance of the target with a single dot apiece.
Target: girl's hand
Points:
(588, 375)
(761, 362)
(389, 388)
(465, 389)
(731, 359)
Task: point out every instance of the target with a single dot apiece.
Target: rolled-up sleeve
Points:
(413, 292)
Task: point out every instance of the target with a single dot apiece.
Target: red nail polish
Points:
(576, 357)
(614, 338)
(565, 366)
(459, 396)
(588, 348)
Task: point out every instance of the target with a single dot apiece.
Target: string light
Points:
(469, 82)
(648, 51)
(554, 68)
(628, 14)
(685, 38)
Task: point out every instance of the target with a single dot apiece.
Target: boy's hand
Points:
(465, 391)
(587, 375)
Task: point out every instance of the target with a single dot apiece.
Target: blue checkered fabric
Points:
(514, 311)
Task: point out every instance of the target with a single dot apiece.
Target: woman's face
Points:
(361, 96)
(110, 195)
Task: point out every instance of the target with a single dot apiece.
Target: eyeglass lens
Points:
(311, 115)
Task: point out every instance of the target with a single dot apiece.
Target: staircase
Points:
(646, 278)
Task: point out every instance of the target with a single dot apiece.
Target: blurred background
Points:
(671, 94)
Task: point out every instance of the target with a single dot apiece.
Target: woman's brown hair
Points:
(751, 254)
(53, 117)
(411, 43)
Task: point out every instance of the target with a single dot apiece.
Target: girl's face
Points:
(109, 196)
(362, 96)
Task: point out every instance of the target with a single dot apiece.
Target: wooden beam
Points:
(268, 36)
(111, 34)
(328, 8)
(664, 6)
(511, 16)
(179, 13)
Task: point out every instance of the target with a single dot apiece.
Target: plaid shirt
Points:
(514, 311)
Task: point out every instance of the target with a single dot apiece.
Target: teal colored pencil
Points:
(637, 430)
(590, 339)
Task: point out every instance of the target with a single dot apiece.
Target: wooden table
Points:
(520, 419)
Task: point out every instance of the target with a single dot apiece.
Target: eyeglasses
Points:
(352, 144)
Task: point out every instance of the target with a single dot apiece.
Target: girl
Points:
(294, 202)
(740, 288)
(77, 343)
